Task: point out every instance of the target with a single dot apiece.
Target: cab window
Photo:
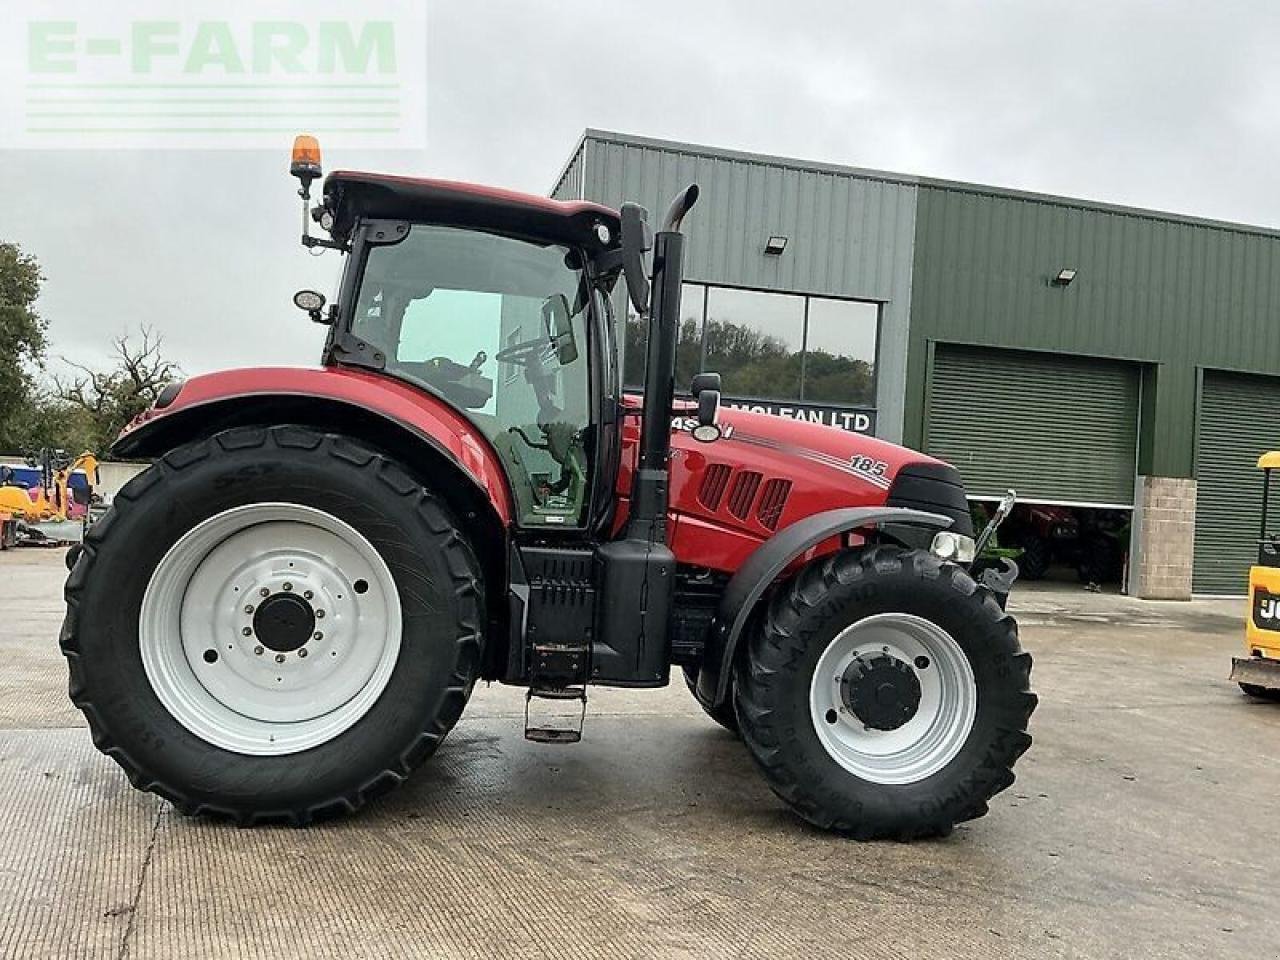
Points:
(497, 327)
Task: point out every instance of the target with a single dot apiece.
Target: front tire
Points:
(884, 694)
(273, 624)
(723, 714)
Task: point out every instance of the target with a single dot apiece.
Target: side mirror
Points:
(559, 328)
(708, 430)
(636, 240)
(704, 381)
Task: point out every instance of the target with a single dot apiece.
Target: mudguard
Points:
(762, 568)
(411, 423)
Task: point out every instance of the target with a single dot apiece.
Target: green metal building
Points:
(1086, 354)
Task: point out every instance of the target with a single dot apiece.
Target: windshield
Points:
(496, 326)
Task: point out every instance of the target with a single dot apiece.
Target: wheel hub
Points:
(284, 622)
(270, 628)
(881, 691)
(893, 698)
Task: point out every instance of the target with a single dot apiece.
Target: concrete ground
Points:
(1142, 825)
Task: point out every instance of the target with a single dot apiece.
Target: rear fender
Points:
(766, 564)
(441, 448)
(328, 398)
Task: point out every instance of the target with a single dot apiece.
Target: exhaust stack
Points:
(649, 496)
(632, 641)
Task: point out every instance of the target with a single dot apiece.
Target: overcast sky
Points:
(1169, 105)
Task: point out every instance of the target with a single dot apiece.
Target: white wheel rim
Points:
(943, 719)
(219, 679)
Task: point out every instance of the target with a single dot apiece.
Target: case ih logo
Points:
(140, 73)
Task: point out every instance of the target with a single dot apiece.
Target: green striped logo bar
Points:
(206, 75)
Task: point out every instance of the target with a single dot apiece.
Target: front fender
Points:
(762, 568)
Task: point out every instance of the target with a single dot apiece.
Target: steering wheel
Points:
(524, 353)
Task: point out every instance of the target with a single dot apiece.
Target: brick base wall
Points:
(1164, 526)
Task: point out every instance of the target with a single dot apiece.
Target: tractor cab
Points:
(498, 319)
(1258, 672)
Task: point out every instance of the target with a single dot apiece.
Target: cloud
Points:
(1167, 105)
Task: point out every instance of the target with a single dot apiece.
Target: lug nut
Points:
(319, 614)
(264, 592)
(288, 586)
(317, 635)
(258, 650)
(307, 595)
(248, 608)
(302, 652)
(247, 631)
(279, 658)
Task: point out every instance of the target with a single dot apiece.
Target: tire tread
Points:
(462, 565)
(769, 650)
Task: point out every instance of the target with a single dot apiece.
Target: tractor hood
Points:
(766, 472)
(818, 442)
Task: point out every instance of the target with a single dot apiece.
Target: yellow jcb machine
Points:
(1258, 673)
(51, 500)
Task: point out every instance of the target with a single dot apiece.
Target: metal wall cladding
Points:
(849, 234)
(962, 264)
(1237, 425)
(1051, 427)
(1169, 291)
(843, 232)
(569, 185)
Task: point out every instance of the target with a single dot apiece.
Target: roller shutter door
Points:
(1238, 421)
(1053, 427)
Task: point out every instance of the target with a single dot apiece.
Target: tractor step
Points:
(556, 726)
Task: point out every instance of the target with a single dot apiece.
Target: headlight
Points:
(955, 547)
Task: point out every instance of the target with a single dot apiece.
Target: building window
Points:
(770, 346)
(840, 352)
(688, 348)
(755, 341)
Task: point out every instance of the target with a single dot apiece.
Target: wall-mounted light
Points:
(1064, 277)
(775, 245)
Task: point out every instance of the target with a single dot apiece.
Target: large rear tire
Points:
(273, 624)
(884, 694)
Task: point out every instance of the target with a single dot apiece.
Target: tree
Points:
(22, 332)
(99, 403)
(753, 363)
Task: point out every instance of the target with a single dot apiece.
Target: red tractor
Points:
(286, 613)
